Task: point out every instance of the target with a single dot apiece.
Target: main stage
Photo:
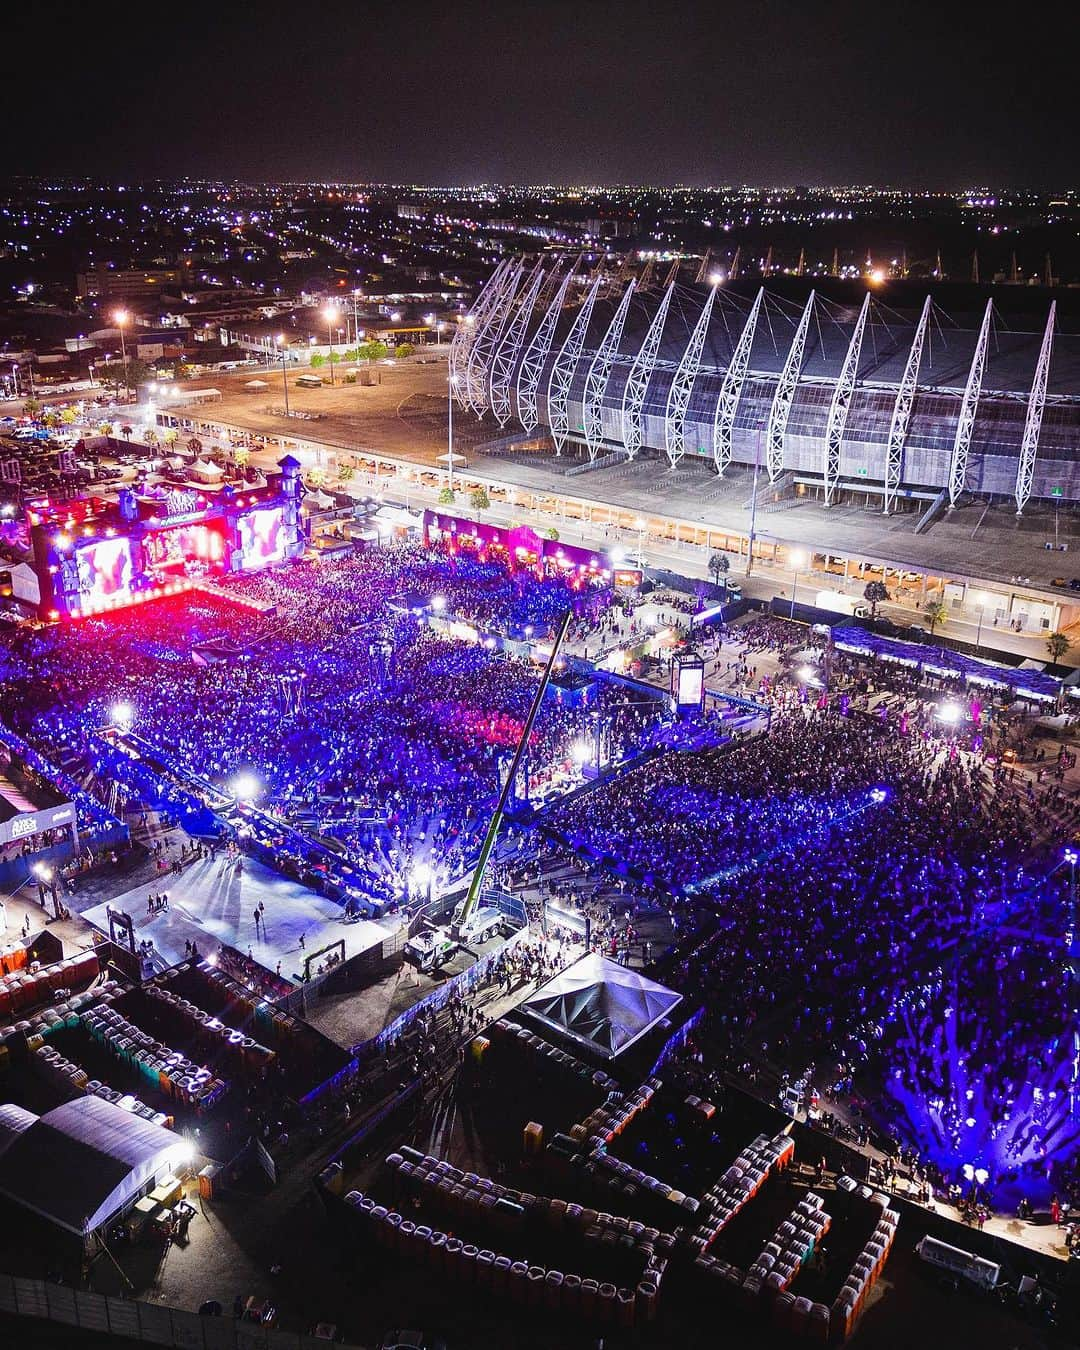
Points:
(211, 902)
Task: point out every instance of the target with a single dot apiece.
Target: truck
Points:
(839, 603)
(965, 1265)
(433, 947)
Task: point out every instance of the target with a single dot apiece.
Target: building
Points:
(128, 284)
(909, 411)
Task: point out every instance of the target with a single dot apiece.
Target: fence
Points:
(142, 1321)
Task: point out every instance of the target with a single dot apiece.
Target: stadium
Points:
(906, 411)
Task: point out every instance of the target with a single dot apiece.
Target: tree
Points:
(126, 431)
(350, 354)
(719, 566)
(874, 593)
(151, 437)
(50, 420)
(404, 349)
(936, 613)
(552, 533)
(242, 454)
(479, 499)
(170, 435)
(1057, 644)
(317, 360)
(68, 417)
(446, 496)
(195, 445)
(32, 407)
(105, 428)
(121, 374)
(334, 358)
(372, 351)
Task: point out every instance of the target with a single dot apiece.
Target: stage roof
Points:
(601, 1005)
(82, 1162)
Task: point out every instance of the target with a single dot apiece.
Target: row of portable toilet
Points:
(24, 990)
(24, 1036)
(740, 1183)
(210, 1032)
(66, 1073)
(240, 1003)
(792, 1245)
(465, 1193)
(494, 1272)
(609, 1120)
(166, 1070)
(525, 1039)
(13, 958)
(636, 1186)
(865, 1270)
(798, 1315)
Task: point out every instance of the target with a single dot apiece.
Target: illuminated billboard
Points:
(691, 686)
(105, 571)
(262, 537)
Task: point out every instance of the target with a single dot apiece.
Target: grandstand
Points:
(902, 409)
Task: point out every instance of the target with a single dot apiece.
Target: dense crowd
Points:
(341, 705)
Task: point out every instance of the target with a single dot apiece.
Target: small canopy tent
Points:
(85, 1161)
(601, 1005)
(206, 471)
(256, 385)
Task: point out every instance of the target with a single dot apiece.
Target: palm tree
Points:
(936, 613)
(719, 566)
(1057, 644)
(874, 593)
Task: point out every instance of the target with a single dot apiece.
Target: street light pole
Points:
(797, 561)
(330, 314)
(284, 378)
(450, 434)
(121, 320)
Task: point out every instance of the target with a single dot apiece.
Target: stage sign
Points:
(181, 503)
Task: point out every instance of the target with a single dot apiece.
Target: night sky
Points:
(405, 91)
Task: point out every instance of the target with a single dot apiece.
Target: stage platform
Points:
(211, 903)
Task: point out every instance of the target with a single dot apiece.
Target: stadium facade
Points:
(846, 399)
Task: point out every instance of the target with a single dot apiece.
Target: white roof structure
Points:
(80, 1164)
(256, 384)
(207, 469)
(601, 1005)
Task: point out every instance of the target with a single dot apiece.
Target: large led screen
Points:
(262, 537)
(105, 570)
(186, 548)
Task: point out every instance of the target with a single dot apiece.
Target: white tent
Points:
(256, 385)
(206, 471)
(85, 1161)
(601, 1005)
(318, 501)
(458, 459)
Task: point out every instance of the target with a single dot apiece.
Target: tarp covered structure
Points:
(601, 1005)
(81, 1163)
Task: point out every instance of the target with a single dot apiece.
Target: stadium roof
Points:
(601, 1005)
(947, 357)
(81, 1163)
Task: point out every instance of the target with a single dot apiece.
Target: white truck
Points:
(433, 947)
(964, 1265)
(839, 603)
